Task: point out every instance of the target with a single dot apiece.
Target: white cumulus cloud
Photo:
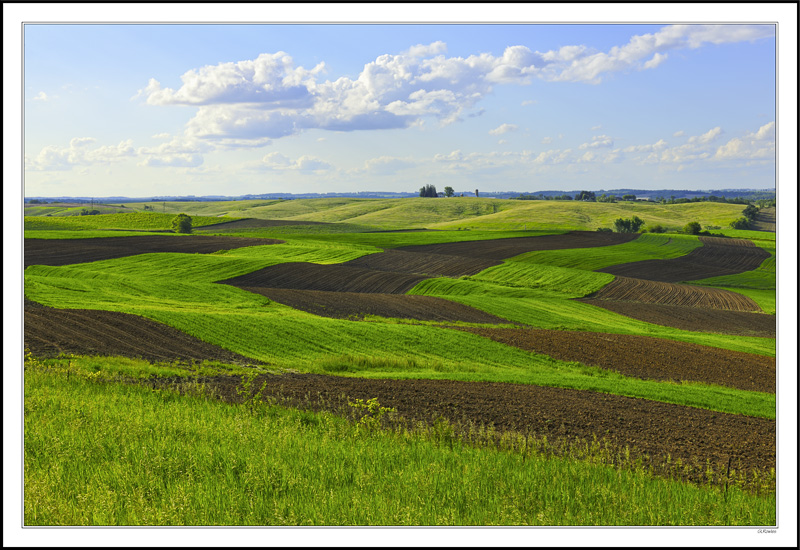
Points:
(597, 142)
(78, 153)
(503, 129)
(756, 145)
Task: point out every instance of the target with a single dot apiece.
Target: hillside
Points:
(460, 212)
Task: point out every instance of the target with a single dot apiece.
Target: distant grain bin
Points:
(476, 192)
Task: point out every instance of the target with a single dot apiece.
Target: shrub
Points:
(604, 229)
(182, 224)
(692, 228)
(658, 228)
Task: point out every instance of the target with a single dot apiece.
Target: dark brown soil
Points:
(647, 427)
(625, 289)
(716, 257)
(644, 357)
(355, 305)
(50, 332)
(740, 323)
(74, 251)
(432, 265)
(331, 278)
(500, 249)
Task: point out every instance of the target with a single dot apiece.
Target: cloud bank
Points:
(250, 102)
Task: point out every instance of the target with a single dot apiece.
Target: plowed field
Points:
(354, 305)
(647, 427)
(433, 265)
(690, 318)
(716, 257)
(625, 289)
(501, 249)
(331, 278)
(75, 251)
(50, 332)
(645, 357)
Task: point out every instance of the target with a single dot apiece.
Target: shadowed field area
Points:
(765, 220)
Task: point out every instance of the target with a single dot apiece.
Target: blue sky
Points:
(141, 110)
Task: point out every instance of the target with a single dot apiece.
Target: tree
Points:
(628, 226)
(182, 224)
(750, 212)
(692, 228)
(428, 190)
(629, 197)
(585, 196)
(448, 191)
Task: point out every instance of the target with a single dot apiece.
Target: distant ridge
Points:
(751, 194)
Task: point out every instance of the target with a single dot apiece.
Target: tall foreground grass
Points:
(100, 453)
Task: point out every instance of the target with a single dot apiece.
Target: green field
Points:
(106, 472)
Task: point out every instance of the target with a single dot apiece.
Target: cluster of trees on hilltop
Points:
(429, 190)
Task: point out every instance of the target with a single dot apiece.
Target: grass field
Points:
(322, 469)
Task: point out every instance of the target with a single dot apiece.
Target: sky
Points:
(219, 109)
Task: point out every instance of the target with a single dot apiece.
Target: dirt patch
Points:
(644, 357)
(625, 289)
(354, 305)
(49, 332)
(739, 323)
(75, 251)
(646, 427)
(716, 257)
(500, 249)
